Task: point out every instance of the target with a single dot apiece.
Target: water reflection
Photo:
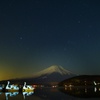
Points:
(10, 94)
(27, 94)
(71, 93)
(82, 92)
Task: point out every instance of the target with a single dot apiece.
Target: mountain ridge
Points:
(53, 69)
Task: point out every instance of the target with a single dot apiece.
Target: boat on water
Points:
(14, 88)
(27, 88)
(11, 88)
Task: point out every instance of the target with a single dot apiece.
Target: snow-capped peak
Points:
(54, 69)
(58, 69)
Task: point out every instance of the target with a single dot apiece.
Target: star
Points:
(79, 22)
(21, 38)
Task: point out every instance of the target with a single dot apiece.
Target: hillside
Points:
(82, 80)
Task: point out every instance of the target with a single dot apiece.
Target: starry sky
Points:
(35, 34)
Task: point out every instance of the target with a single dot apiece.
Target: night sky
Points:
(35, 34)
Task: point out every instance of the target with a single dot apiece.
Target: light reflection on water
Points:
(69, 93)
(15, 95)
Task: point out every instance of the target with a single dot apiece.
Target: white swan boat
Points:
(11, 88)
(27, 88)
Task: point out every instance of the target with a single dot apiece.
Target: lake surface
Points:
(70, 93)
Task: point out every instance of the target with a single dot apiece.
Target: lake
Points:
(69, 93)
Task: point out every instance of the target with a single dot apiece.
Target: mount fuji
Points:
(53, 69)
(52, 74)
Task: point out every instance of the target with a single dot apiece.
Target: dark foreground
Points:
(69, 93)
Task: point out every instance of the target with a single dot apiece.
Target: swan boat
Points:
(11, 88)
(27, 88)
